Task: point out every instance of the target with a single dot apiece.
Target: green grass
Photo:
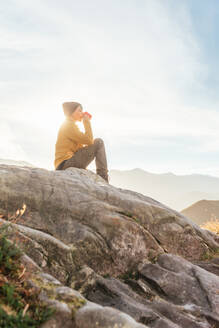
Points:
(129, 275)
(9, 256)
(19, 306)
(26, 321)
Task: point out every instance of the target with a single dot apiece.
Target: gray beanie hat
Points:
(70, 107)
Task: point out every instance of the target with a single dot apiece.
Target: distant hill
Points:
(203, 211)
(176, 191)
(13, 162)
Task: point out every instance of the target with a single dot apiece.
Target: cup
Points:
(90, 116)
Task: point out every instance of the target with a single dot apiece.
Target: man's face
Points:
(77, 115)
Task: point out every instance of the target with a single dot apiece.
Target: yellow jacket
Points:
(70, 139)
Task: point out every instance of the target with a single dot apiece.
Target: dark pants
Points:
(84, 156)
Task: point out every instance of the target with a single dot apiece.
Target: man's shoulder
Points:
(68, 124)
(68, 127)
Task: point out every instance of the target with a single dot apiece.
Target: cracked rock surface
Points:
(128, 255)
(72, 310)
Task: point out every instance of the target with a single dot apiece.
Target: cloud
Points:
(9, 148)
(135, 66)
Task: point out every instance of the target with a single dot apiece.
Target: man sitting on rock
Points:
(75, 148)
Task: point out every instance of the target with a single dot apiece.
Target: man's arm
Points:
(83, 138)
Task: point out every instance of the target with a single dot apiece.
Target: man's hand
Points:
(86, 116)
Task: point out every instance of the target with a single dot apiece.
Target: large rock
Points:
(169, 293)
(110, 244)
(107, 228)
(72, 310)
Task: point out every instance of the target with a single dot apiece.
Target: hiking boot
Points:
(103, 175)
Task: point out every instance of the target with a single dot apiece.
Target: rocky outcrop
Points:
(171, 293)
(71, 309)
(120, 249)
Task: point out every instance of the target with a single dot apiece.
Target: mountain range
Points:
(13, 162)
(175, 191)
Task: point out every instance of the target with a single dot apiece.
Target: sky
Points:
(147, 70)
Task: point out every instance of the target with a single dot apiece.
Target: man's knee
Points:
(98, 141)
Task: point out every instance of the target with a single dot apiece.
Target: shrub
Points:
(19, 306)
(9, 256)
(212, 225)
